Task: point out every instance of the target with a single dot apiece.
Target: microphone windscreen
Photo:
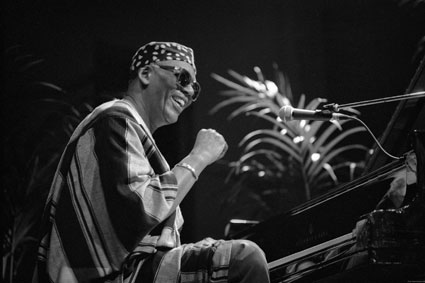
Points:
(285, 113)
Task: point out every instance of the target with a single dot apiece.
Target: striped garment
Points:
(205, 261)
(109, 199)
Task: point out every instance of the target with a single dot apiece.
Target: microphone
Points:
(288, 113)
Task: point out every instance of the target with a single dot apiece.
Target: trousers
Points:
(218, 261)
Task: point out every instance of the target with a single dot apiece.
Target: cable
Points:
(376, 140)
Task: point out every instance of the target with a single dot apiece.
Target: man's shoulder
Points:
(116, 110)
(115, 113)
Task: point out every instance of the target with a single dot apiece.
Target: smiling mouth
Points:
(180, 101)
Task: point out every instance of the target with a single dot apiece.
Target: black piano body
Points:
(348, 234)
(320, 240)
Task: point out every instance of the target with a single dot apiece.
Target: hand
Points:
(209, 146)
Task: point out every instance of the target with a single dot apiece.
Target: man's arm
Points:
(130, 180)
(136, 197)
(209, 147)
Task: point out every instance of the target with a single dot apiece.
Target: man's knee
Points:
(248, 263)
(245, 250)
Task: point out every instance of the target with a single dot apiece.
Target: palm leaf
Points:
(278, 124)
(30, 65)
(251, 154)
(251, 106)
(282, 100)
(238, 76)
(285, 148)
(335, 167)
(320, 147)
(233, 100)
(313, 128)
(314, 170)
(330, 172)
(232, 92)
(283, 83)
(325, 135)
(49, 85)
(233, 85)
(313, 104)
(301, 102)
(321, 178)
(277, 162)
(339, 138)
(283, 138)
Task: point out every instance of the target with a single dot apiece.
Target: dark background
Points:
(344, 51)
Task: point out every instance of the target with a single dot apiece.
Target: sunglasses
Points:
(184, 79)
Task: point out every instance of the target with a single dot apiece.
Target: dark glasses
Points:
(184, 79)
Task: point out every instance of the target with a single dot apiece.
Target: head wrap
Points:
(154, 52)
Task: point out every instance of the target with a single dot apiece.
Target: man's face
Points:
(168, 100)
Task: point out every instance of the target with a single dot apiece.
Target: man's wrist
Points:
(189, 168)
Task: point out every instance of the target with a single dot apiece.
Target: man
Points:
(113, 213)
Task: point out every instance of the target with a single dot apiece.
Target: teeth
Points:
(180, 101)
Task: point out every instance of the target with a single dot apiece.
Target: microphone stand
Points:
(333, 107)
(336, 107)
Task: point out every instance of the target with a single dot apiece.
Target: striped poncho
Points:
(109, 199)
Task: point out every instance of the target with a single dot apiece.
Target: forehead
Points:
(181, 64)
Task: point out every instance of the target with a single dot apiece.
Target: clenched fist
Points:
(209, 146)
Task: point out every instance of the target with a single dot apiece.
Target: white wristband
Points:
(188, 167)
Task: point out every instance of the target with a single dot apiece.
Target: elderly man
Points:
(113, 213)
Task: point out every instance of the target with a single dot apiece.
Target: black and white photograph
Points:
(217, 141)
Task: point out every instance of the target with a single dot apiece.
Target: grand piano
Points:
(355, 233)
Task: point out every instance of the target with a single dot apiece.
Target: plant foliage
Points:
(38, 122)
(310, 151)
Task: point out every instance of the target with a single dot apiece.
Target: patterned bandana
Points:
(161, 51)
